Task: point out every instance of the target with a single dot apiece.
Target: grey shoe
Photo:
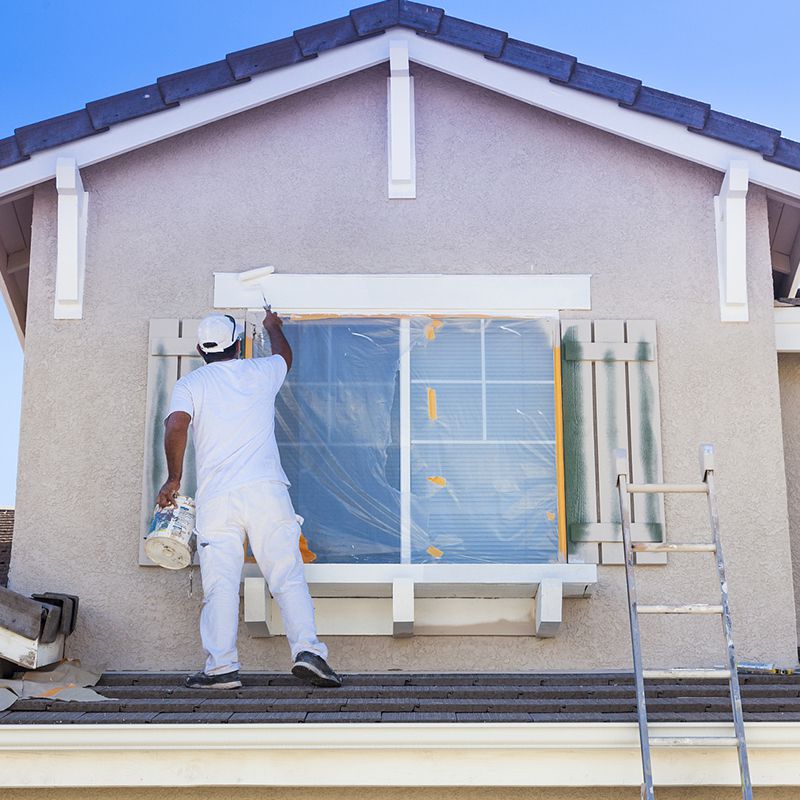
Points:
(313, 669)
(227, 680)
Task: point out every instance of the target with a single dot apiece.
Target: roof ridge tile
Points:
(127, 105)
(670, 106)
(787, 153)
(197, 80)
(742, 132)
(533, 58)
(10, 152)
(265, 57)
(462, 33)
(603, 82)
(51, 132)
(326, 35)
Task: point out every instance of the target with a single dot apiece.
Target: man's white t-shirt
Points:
(232, 406)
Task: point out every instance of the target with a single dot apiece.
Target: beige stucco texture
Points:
(789, 370)
(381, 793)
(502, 188)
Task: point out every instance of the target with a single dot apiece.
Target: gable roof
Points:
(239, 67)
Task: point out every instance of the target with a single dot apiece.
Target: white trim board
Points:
(386, 754)
(527, 87)
(376, 294)
(787, 329)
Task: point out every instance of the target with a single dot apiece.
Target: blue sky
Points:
(56, 56)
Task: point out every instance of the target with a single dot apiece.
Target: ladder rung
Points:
(667, 488)
(664, 547)
(693, 608)
(694, 741)
(681, 672)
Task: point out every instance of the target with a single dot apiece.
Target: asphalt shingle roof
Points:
(417, 698)
(169, 90)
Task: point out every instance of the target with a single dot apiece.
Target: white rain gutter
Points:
(384, 754)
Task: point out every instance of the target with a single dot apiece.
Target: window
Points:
(423, 440)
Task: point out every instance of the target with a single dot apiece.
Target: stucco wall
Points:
(502, 188)
(789, 372)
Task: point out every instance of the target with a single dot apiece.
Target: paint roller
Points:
(253, 276)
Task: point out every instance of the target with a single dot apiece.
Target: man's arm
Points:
(176, 434)
(273, 325)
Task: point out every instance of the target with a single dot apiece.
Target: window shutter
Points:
(610, 395)
(172, 354)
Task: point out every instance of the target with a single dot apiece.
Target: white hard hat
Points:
(217, 332)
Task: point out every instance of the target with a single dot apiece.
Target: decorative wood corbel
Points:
(730, 213)
(402, 158)
(71, 253)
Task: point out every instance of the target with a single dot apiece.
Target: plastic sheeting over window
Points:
(459, 412)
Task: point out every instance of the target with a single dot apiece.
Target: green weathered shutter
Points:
(610, 390)
(172, 354)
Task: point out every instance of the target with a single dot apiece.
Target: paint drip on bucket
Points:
(171, 541)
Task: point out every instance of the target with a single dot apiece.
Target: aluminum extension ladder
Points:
(706, 486)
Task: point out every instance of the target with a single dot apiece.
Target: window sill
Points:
(428, 599)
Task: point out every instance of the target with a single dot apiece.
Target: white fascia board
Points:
(382, 294)
(527, 87)
(386, 754)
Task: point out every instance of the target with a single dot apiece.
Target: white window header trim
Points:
(423, 294)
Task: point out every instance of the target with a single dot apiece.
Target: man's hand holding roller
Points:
(273, 325)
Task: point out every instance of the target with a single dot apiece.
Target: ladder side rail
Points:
(735, 690)
(621, 458)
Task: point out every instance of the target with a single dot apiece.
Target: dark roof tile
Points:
(735, 130)
(537, 59)
(787, 153)
(600, 81)
(196, 81)
(127, 105)
(9, 152)
(55, 131)
(462, 33)
(326, 36)
(264, 57)
(670, 106)
(377, 17)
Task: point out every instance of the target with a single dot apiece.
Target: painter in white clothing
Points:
(241, 490)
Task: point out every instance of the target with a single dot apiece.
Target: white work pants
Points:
(263, 511)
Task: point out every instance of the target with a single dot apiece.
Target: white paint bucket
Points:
(171, 540)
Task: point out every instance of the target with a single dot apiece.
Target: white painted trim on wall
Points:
(730, 222)
(787, 329)
(73, 204)
(423, 294)
(527, 87)
(400, 128)
(386, 754)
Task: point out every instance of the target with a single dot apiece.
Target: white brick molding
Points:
(381, 294)
(730, 218)
(73, 203)
(386, 754)
(402, 156)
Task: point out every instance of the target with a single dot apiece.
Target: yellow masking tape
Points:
(431, 328)
(435, 552)
(305, 552)
(438, 480)
(432, 404)
(551, 516)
